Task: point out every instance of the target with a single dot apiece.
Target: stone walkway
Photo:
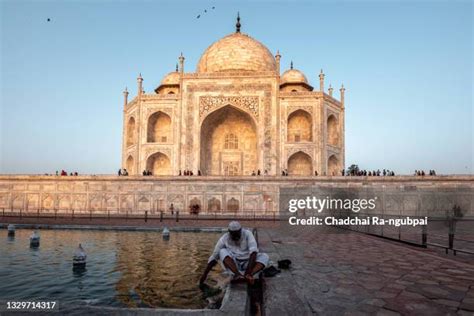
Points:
(337, 272)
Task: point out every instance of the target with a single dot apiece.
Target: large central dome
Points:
(236, 52)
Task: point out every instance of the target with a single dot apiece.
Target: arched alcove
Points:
(159, 164)
(299, 127)
(228, 143)
(300, 164)
(130, 131)
(129, 165)
(333, 166)
(233, 205)
(333, 131)
(214, 205)
(195, 206)
(159, 128)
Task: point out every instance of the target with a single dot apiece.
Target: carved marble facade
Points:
(235, 115)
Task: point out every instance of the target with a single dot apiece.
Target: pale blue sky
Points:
(407, 67)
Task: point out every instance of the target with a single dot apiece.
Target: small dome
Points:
(171, 79)
(293, 76)
(236, 52)
(170, 83)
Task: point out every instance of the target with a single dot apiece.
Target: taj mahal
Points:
(235, 115)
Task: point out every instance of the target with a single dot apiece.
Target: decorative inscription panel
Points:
(152, 110)
(209, 103)
(307, 108)
(306, 150)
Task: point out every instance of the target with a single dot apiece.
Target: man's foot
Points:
(250, 279)
(239, 278)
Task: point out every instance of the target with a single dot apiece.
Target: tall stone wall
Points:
(391, 197)
(424, 196)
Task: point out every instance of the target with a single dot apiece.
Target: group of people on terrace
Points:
(353, 170)
(188, 173)
(64, 173)
(422, 173)
(122, 172)
(365, 173)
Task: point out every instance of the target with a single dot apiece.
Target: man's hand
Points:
(209, 267)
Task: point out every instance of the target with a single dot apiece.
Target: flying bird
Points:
(49, 20)
(213, 8)
(205, 11)
(198, 16)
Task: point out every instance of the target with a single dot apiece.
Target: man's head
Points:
(235, 230)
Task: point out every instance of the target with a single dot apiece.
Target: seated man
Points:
(238, 252)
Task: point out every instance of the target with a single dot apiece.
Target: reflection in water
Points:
(124, 269)
(158, 272)
(78, 271)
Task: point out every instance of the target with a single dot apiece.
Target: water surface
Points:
(124, 268)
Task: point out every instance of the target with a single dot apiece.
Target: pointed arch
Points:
(214, 205)
(130, 165)
(333, 130)
(159, 128)
(131, 130)
(228, 142)
(233, 205)
(300, 164)
(300, 127)
(159, 164)
(333, 166)
(195, 206)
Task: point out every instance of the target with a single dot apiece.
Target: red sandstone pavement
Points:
(345, 273)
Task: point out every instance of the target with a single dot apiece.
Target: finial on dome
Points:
(238, 25)
(291, 65)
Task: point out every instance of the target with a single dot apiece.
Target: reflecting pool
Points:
(124, 268)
